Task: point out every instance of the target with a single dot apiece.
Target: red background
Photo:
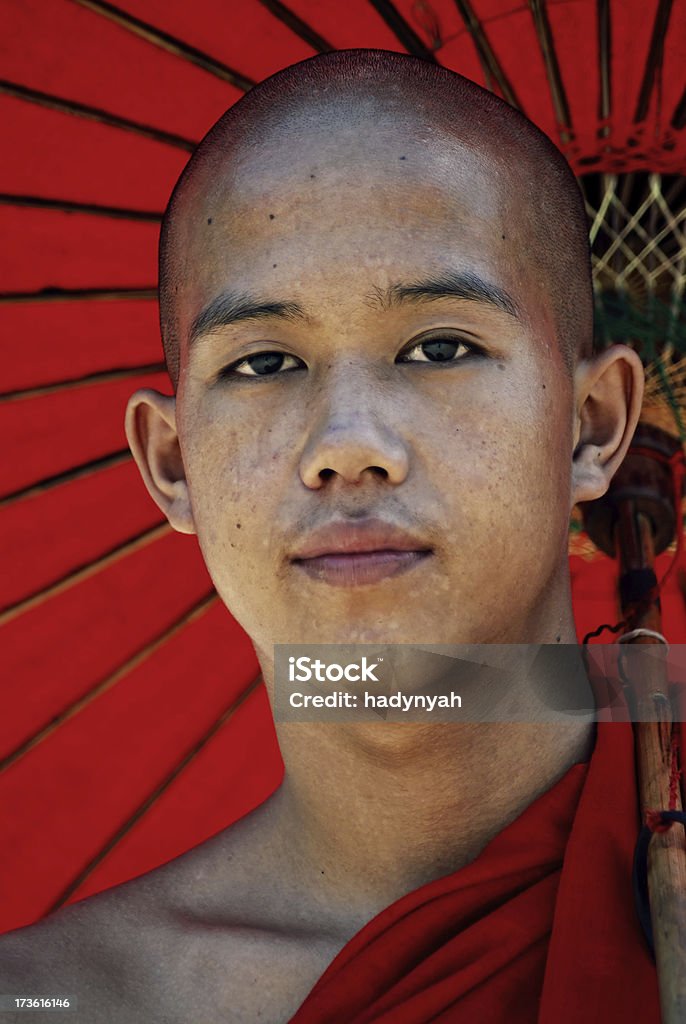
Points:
(120, 667)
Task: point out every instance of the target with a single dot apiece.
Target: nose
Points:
(352, 436)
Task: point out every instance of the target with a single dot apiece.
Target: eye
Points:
(440, 350)
(261, 364)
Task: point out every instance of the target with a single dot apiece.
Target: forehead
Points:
(316, 201)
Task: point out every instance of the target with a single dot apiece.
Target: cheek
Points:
(217, 476)
(541, 453)
(234, 476)
(511, 459)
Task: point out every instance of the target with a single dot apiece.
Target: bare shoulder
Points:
(101, 950)
(160, 950)
(214, 935)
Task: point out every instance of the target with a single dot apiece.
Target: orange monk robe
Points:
(541, 928)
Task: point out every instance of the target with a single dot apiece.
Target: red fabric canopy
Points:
(125, 730)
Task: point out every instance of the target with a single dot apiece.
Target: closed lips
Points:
(362, 537)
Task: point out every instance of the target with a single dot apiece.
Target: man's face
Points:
(471, 453)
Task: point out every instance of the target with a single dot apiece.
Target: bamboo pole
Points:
(654, 752)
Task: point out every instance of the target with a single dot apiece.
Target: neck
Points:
(369, 811)
(374, 812)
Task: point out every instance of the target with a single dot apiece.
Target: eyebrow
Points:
(232, 307)
(456, 284)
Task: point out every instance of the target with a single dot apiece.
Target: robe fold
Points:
(540, 928)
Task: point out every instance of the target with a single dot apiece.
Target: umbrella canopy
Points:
(131, 726)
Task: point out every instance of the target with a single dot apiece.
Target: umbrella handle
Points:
(658, 769)
(636, 519)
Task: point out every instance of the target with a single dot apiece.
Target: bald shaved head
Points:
(376, 302)
(356, 97)
(376, 305)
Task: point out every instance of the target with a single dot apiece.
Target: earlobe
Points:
(150, 425)
(608, 400)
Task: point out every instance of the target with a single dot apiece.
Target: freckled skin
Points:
(482, 457)
(476, 456)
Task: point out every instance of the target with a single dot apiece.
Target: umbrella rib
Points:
(72, 294)
(71, 206)
(85, 469)
(168, 42)
(124, 669)
(402, 30)
(604, 52)
(654, 60)
(44, 99)
(155, 795)
(486, 54)
(84, 572)
(552, 68)
(99, 377)
(297, 25)
(679, 116)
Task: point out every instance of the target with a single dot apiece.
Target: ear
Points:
(608, 399)
(150, 426)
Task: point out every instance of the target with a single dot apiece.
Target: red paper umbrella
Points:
(132, 727)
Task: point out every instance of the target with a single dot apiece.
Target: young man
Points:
(377, 316)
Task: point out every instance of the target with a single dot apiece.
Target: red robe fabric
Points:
(540, 928)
